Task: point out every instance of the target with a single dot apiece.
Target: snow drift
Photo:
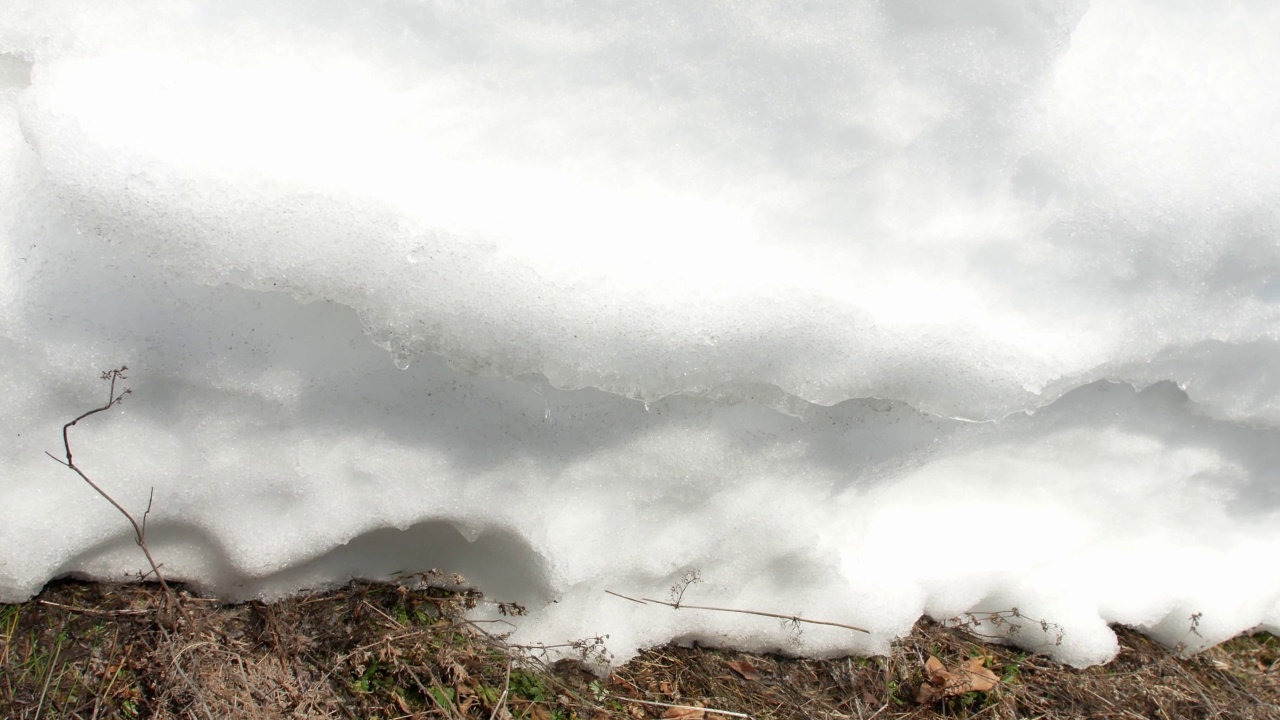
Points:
(863, 312)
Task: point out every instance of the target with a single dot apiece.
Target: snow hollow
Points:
(861, 311)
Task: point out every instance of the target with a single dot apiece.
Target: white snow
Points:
(862, 311)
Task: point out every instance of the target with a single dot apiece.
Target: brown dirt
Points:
(88, 651)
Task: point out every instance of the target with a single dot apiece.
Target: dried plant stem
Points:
(655, 703)
(44, 692)
(139, 529)
(506, 687)
(789, 618)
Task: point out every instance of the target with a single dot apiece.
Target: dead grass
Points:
(91, 651)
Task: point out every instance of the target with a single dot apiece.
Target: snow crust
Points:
(863, 312)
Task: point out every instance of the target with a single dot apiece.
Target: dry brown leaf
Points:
(467, 697)
(980, 678)
(744, 668)
(941, 683)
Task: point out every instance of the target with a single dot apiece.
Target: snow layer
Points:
(863, 312)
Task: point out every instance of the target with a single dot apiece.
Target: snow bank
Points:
(862, 312)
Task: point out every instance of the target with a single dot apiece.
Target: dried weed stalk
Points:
(172, 606)
(139, 528)
(1011, 622)
(693, 577)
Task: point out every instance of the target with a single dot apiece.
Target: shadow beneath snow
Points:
(1156, 420)
(496, 561)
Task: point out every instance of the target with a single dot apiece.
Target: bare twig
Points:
(624, 597)
(139, 529)
(655, 703)
(761, 613)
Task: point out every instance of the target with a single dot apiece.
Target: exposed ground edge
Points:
(94, 650)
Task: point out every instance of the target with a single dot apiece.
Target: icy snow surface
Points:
(863, 310)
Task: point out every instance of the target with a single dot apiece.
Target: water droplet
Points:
(400, 356)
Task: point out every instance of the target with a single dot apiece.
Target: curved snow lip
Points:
(887, 485)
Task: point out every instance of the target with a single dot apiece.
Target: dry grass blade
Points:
(704, 710)
(506, 688)
(48, 675)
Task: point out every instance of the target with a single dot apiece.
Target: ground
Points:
(92, 650)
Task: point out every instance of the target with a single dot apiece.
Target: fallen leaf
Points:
(744, 668)
(466, 698)
(980, 678)
(941, 683)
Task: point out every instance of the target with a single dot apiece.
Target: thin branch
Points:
(112, 399)
(139, 530)
(655, 703)
(761, 613)
(150, 497)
